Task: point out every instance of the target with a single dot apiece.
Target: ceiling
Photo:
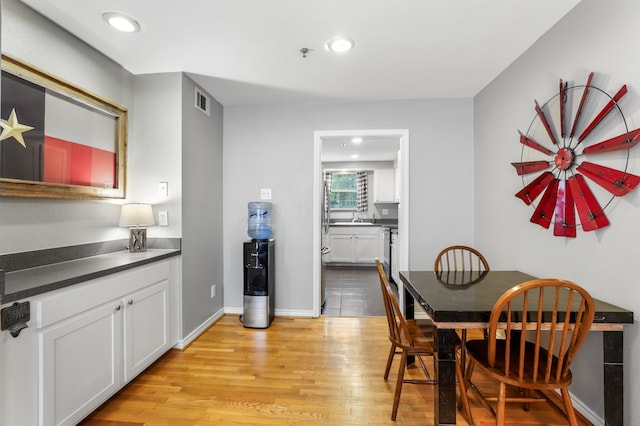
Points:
(247, 52)
(369, 149)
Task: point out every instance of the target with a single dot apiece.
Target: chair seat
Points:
(478, 350)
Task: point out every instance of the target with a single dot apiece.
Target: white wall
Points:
(272, 147)
(30, 224)
(158, 148)
(596, 36)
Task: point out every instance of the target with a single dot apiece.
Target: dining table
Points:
(463, 300)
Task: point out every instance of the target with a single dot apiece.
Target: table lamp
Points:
(137, 216)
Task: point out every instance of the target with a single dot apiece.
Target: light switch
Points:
(163, 189)
(163, 218)
(265, 194)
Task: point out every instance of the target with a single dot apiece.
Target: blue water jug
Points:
(259, 223)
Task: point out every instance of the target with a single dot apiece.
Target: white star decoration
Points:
(11, 128)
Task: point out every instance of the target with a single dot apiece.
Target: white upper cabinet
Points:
(384, 186)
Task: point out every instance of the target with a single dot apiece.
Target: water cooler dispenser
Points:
(259, 268)
(259, 273)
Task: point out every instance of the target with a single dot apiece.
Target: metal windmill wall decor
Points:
(589, 138)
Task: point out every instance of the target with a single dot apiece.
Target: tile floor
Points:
(353, 292)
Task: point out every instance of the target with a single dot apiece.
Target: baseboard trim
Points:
(277, 313)
(584, 411)
(186, 341)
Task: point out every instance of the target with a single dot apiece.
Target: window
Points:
(344, 191)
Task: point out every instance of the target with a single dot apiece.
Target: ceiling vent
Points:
(202, 102)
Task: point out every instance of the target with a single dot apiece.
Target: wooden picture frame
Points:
(58, 140)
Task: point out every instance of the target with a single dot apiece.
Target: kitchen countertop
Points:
(382, 223)
(29, 282)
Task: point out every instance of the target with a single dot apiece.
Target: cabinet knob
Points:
(118, 307)
(130, 302)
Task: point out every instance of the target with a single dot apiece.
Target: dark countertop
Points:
(473, 301)
(23, 283)
(384, 223)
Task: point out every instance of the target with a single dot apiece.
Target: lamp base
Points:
(138, 240)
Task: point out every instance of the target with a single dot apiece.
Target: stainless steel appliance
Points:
(393, 260)
(386, 257)
(259, 283)
(325, 249)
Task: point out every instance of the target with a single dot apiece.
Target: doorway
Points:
(402, 137)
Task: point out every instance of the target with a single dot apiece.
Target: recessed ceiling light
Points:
(121, 22)
(354, 156)
(339, 44)
(356, 140)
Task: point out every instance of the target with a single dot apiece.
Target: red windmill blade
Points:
(544, 212)
(565, 214)
(562, 93)
(524, 140)
(618, 143)
(535, 188)
(606, 110)
(617, 182)
(585, 92)
(545, 123)
(527, 167)
(591, 215)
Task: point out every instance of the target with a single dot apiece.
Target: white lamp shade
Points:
(136, 215)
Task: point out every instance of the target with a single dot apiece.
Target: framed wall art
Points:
(58, 140)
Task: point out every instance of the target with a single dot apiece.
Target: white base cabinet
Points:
(354, 244)
(81, 364)
(96, 338)
(146, 328)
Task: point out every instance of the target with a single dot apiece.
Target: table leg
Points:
(444, 408)
(409, 314)
(613, 377)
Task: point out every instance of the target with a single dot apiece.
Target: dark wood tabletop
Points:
(469, 297)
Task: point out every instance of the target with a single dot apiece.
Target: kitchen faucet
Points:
(356, 215)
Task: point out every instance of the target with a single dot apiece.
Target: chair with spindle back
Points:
(460, 258)
(466, 261)
(408, 338)
(544, 323)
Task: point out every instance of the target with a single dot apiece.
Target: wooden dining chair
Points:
(468, 262)
(460, 258)
(539, 358)
(408, 338)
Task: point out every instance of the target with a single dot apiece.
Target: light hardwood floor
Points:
(299, 371)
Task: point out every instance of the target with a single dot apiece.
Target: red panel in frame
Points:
(71, 163)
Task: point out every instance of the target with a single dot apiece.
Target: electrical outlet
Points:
(163, 189)
(265, 193)
(213, 291)
(385, 212)
(163, 218)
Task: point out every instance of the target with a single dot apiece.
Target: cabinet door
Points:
(366, 248)
(383, 185)
(81, 364)
(341, 248)
(146, 327)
